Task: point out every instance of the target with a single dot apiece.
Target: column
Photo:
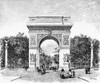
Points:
(91, 64)
(6, 54)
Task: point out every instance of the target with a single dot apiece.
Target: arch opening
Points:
(49, 53)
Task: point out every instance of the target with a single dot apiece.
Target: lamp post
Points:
(6, 53)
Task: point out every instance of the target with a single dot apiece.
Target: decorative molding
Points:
(52, 27)
(38, 31)
(65, 59)
(33, 47)
(32, 57)
(59, 37)
(65, 40)
(65, 47)
(40, 36)
(32, 40)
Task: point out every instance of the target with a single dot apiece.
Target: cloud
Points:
(48, 46)
(85, 28)
(14, 13)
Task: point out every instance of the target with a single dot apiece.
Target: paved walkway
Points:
(81, 77)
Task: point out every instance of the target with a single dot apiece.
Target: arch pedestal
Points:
(38, 32)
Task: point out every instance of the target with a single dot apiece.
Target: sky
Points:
(48, 47)
(85, 15)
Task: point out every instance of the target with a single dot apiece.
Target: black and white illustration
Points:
(49, 41)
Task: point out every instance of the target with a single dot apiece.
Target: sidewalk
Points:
(94, 77)
(32, 77)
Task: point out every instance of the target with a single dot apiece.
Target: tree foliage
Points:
(95, 52)
(17, 50)
(45, 60)
(2, 53)
(48, 61)
(81, 51)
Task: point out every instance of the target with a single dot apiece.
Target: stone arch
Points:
(49, 27)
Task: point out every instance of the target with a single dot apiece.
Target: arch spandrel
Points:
(40, 37)
(52, 36)
(49, 37)
(59, 37)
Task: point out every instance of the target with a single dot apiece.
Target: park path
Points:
(81, 77)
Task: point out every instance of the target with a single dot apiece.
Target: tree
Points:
(1, 53)
(17, 51)
(95, 52)
(80, 50)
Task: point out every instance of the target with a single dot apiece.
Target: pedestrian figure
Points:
(62, 73)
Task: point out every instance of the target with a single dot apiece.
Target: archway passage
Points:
(49, 54)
